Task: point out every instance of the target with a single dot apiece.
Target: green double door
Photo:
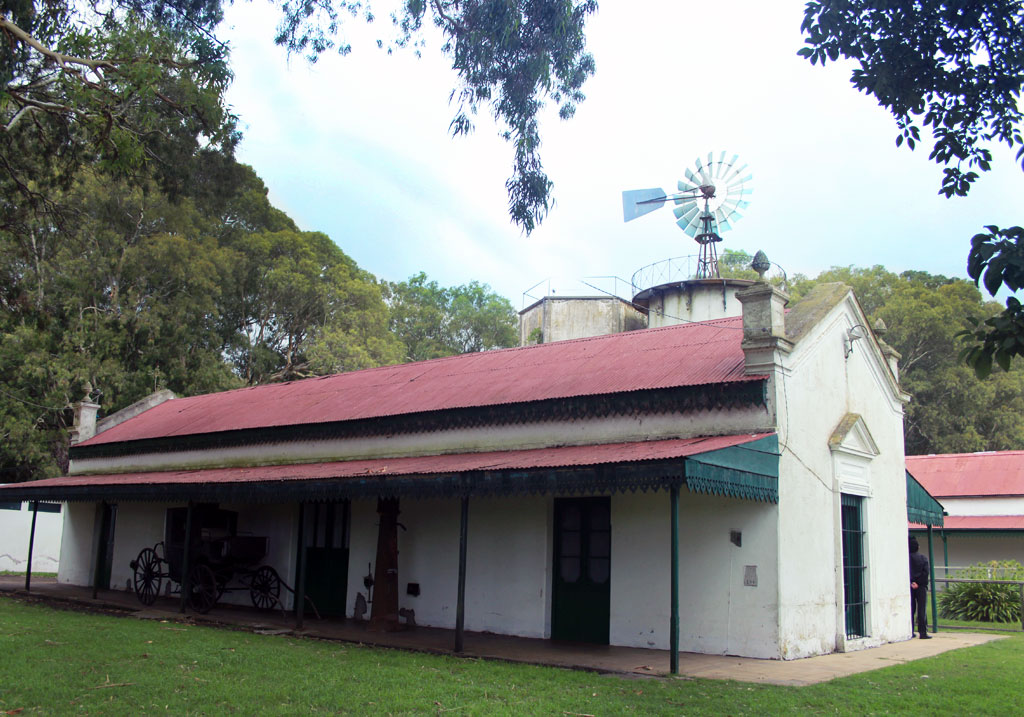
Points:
(581, 595)
(326, 545)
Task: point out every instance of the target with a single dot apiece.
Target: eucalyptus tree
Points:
(433, 321)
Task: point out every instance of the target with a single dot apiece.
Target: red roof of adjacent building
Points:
(559, 457)
(970, 474)
(978, 522)
(693, 354)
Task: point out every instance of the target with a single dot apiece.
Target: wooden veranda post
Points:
(31, 545)
(674, 621)
(186, 558)
(460, 610)
(300, 570)
(384, 613)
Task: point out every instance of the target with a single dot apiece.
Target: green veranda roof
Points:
(921, 507)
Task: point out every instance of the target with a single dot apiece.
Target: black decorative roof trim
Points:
(683, 399)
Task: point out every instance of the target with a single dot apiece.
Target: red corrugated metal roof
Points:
(970, 474)
(560, 457)
(979, 522)
(686, 355)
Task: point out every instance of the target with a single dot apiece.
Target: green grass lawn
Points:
(61, 662)
(35, 574)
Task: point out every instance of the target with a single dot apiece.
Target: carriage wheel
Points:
(203, 589)
(265, 588)
(147, 576)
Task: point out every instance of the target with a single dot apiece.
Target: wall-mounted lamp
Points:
(853, 333)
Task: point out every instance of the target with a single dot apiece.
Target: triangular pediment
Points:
(852, 436)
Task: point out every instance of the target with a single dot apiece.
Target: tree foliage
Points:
(209, 290)
(997, 259)
(115, 86)
(510, 55)
(951, 409)
(202, 292)
(954, 69)
(433, 321)
(127, 82)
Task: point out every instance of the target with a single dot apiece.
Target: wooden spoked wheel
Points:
(265, 588)
(147, 576)
(203, 590)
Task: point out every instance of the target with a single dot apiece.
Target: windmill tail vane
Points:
(711, 198)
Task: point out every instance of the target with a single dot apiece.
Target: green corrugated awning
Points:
(749, 471)
(921, 507)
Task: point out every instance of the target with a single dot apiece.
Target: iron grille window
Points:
(854, 565)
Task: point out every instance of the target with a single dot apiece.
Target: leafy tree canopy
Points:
(211, 290)
(951, 409)
(110, 85)
(433, 321)
(954, 68)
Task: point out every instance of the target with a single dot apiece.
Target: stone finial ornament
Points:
(760, 264)
(880, 328)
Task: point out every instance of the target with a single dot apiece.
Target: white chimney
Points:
(764, 322)
(85, 417)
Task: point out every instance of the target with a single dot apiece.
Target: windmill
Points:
(710, 200)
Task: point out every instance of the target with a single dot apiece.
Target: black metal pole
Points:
(931, 568)
(31, 545)
(673, 637)
(300, 570)
(460, 611)
(97, 545)
(187, 554)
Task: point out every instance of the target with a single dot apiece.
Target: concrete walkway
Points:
(619, 660)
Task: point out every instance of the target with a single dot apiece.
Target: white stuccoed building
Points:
(550, 491)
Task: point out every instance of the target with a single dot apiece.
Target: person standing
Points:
(919, 588)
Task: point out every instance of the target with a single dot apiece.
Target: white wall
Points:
(136, 526)
(751, 419)
(508, 561)
(700, 300)
(718, 614)
(15, 528)
(987, 505)
(822, 386)
(76, 566)
(966, 549)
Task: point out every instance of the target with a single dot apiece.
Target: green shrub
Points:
(984, 602)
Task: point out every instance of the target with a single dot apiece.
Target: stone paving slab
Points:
(611, 659)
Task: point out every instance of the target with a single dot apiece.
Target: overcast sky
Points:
(358, 147)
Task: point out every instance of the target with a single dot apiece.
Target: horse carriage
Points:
(219, 561)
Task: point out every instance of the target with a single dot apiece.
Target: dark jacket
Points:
(919, 569)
